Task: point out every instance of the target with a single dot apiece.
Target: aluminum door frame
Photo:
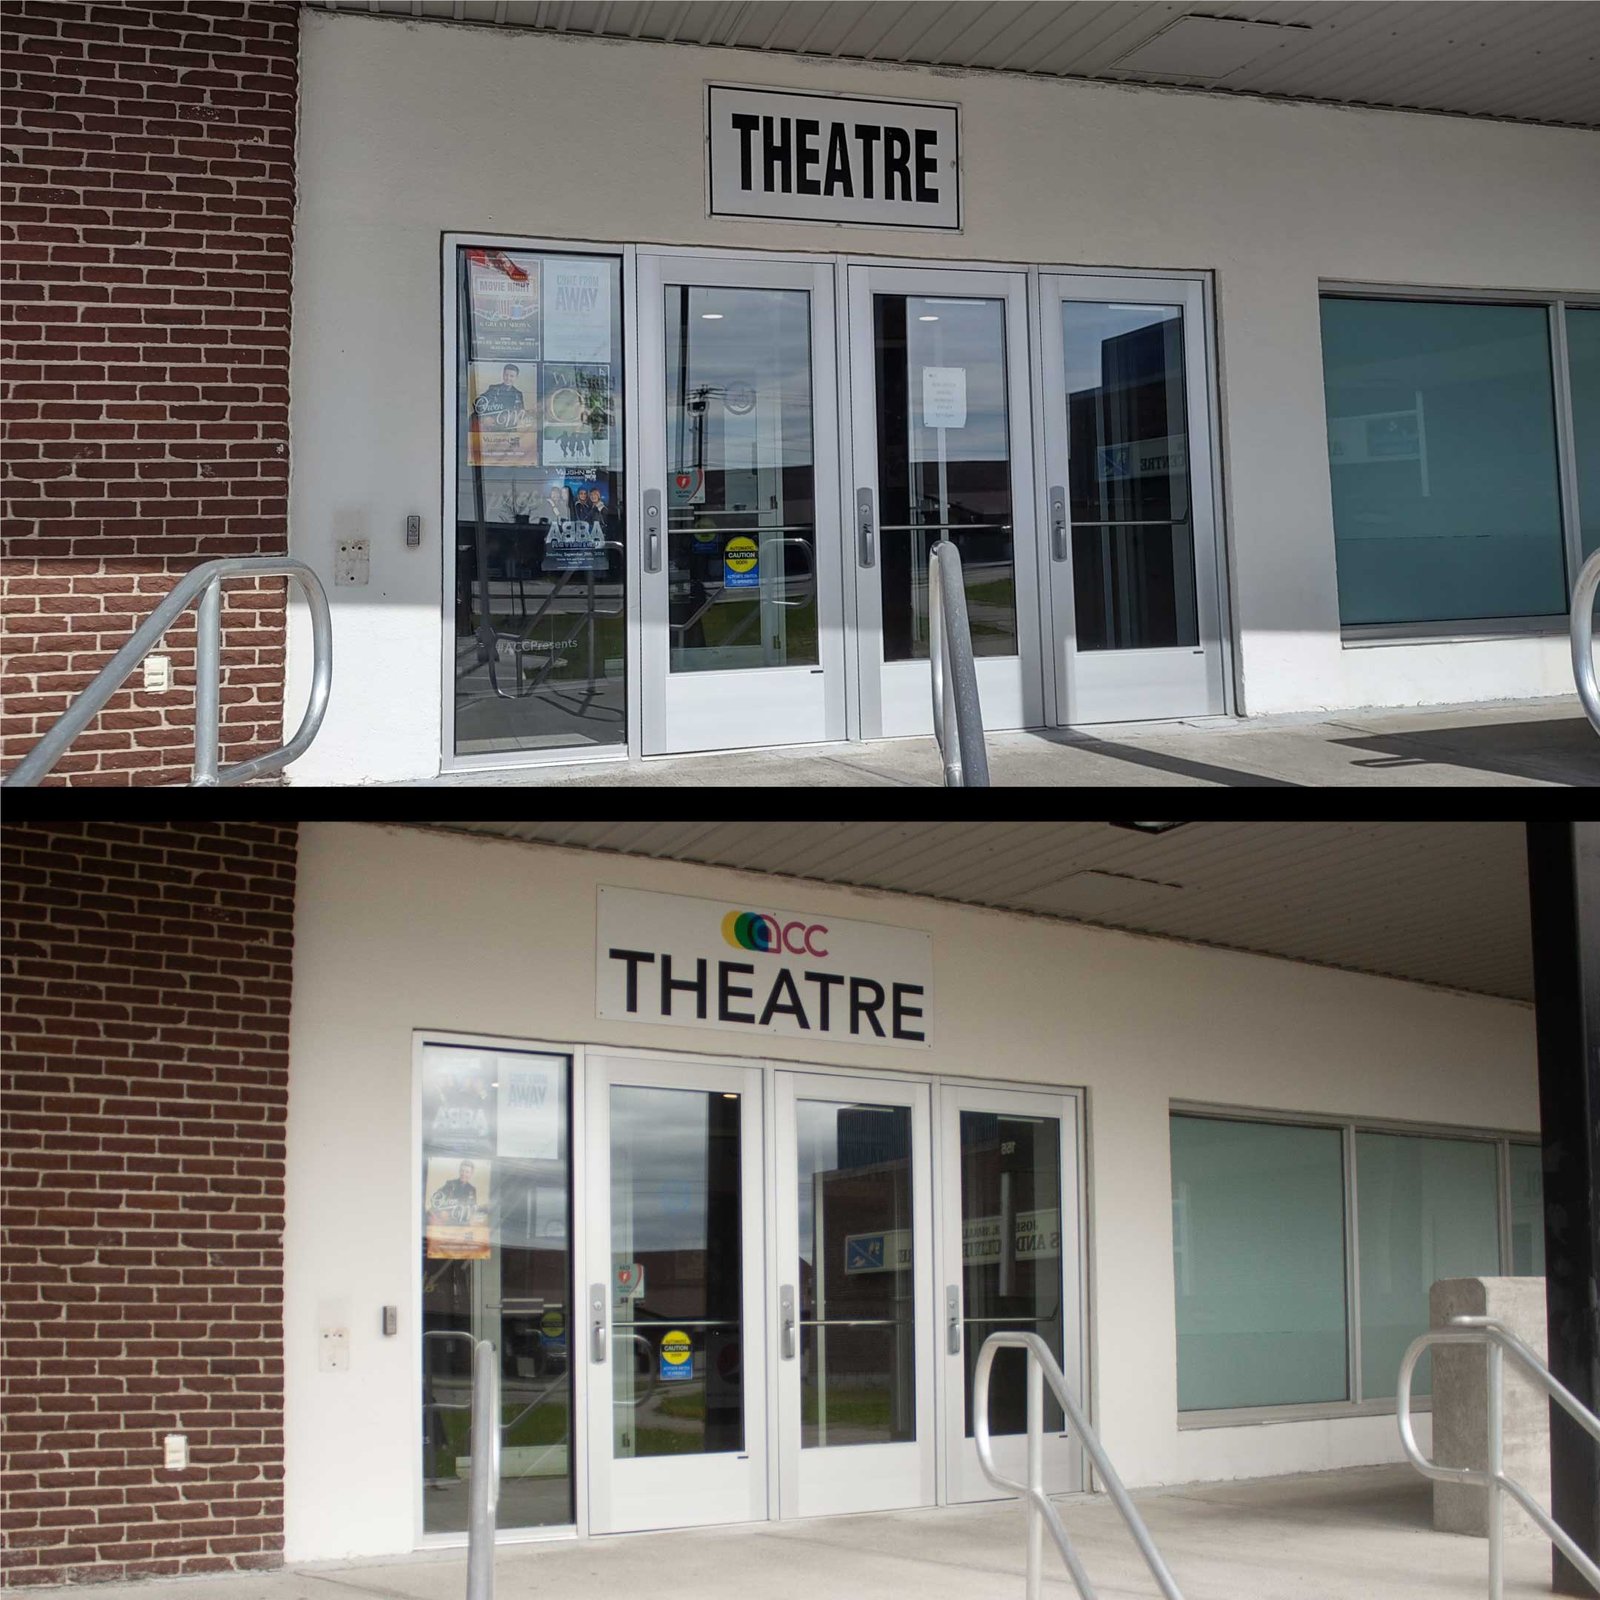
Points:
(1143, 684)
(918, 1484)
(1011, 687)
(691, 711)
(669, 1487)
(1065, 1466)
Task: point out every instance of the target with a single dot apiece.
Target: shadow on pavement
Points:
(1556, 751)
(1160, 761)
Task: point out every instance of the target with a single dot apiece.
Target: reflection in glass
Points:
(496, 1265)
(741, 494)
(1128, 476)
(677, 1280)
(538, 526)
(1427, 1209)
(1010, 1254)
(1527, 1211)
(1258, 1263)
(1583, 366)
(1442, 446)
(857, 1313)
(944, 465)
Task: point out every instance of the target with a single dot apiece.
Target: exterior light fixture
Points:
(711, 316)
(1150, 827)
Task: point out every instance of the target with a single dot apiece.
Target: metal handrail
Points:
(1042, 1514)
(204, 584)
(957, 714)
(483, 1487)
(1499, 1342)
(1582, 625)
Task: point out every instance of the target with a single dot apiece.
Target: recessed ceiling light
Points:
(711, 316)
(927, 319)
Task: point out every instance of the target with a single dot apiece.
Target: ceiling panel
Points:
(1436, 903)
(1526, 60)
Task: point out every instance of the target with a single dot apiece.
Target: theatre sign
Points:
(773, 153)
(761, 969)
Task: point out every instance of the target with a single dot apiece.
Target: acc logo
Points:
(755, 930)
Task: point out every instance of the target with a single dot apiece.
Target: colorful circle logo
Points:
(756, 930)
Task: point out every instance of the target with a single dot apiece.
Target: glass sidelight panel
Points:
(1128, 470)
(1010, 1254)
(496, 1265)
(538, 528)
(741, 491)
(944, 464)
(857, 1312)
(677, 1273)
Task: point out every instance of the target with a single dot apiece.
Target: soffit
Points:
(1435, 903)
(1527, 60)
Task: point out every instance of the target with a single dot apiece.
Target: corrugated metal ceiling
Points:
(1437, 903)
(1528, 60)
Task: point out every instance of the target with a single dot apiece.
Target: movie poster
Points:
(503, 293)
(457, 1201)
(458, 1102)
(576, 415)
(502, 428)
(577, 535)
(577, 310)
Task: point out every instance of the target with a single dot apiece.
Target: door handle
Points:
(652, 530)
(952, 1319)
(865, 529)
(1058, 523)
(597, 1323)
(786, 1320)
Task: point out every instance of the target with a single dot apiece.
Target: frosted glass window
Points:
(1583, 364)
(1527, 1211)
(1442, 450)
(1258, 1262)
(1426, 1209)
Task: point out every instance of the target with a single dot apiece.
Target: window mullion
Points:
(1352, 1272)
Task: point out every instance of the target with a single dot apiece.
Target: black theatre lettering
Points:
(869, 160)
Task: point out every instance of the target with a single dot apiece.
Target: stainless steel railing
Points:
(204, 584)
(1582, 625)
(1499, 1341)
(483, 1487)
(1042, 1369)
(957, 715)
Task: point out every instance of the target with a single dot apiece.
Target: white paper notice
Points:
(944, 397)
(577, 310)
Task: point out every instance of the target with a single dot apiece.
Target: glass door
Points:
(942, 448)
(496, 1265)
(672, 1318)
(853, 1313)
(743, 638)
(1009, 1228)
(1134, 603)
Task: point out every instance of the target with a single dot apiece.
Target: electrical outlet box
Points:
(177, 1452)
(333, 1350)
(391, 1321)
(413, 532)
(352, 562)
(157, 674)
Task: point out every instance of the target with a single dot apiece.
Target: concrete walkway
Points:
(1363, 1534)
(1523, 743)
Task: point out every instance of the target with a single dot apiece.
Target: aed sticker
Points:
(677, 1362)
(553, 1324)
(741, 564)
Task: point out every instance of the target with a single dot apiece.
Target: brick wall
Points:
(145, 1002)
(146, 215)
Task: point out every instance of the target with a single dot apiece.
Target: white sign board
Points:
(944, 397)
(833, 158)
(752, 968)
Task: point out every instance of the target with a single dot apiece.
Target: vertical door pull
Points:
(952, 1318)
(866, 531)
(597, 1323)
(652, 530)
(1058, 523)
(786, 1320)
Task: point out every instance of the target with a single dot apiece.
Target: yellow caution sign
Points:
(741, 558)
(677, 1356)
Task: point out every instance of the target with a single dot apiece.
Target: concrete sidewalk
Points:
(1526, 743)
(1362, 1534)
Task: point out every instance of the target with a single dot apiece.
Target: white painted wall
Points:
(396, 148)
(399, 929)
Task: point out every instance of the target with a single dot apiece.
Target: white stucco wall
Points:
(399, 929)
(404, 135)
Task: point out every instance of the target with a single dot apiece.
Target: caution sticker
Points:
(741, 564)
(553, 1324)
(677, 1357)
